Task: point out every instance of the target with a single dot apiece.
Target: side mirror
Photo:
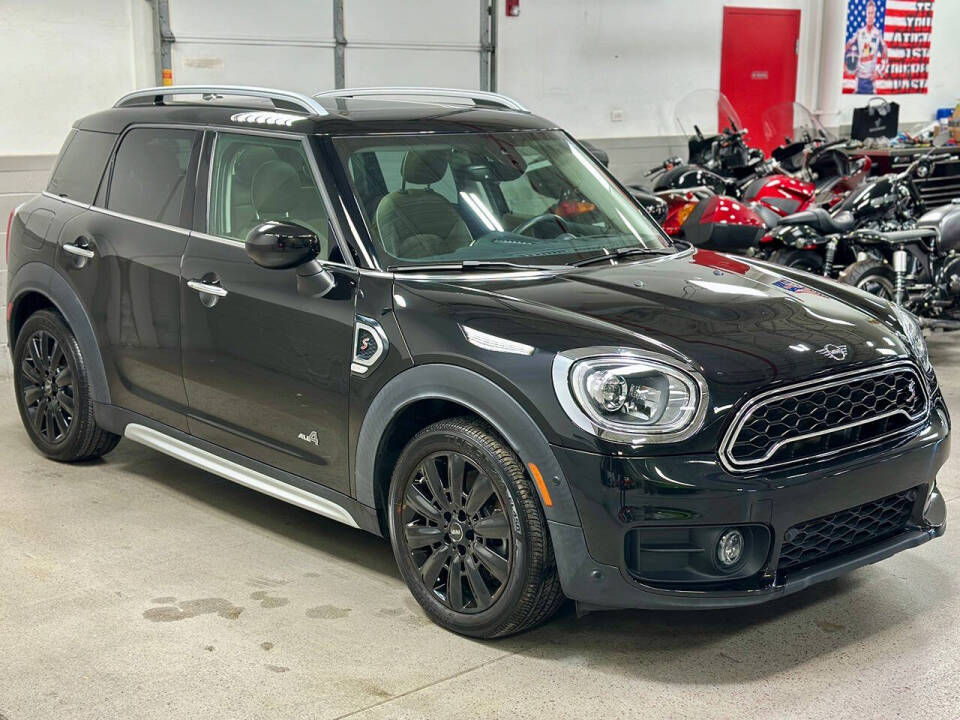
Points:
(280, 245)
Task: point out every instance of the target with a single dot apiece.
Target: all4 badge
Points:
(311, 438)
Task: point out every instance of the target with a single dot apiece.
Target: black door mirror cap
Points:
(280, 245)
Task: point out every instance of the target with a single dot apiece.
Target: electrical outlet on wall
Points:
(616, 115)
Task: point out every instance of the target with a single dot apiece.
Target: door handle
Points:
(83, 252)
(206, 288)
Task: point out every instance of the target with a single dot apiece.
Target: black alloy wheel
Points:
(456, 532)
(47, 387)
(53, 391)
(469, 533)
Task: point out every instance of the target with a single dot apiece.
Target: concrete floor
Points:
(139, 587)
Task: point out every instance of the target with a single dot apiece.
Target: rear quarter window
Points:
(79, 168)
(150, 173)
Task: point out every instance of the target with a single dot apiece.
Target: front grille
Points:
(826, 416)
(834, 534)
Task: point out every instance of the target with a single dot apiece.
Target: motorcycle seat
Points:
(821, 220)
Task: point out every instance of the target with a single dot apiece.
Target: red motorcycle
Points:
(812, 170)
(728, 193)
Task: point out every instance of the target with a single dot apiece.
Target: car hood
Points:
(741, 322)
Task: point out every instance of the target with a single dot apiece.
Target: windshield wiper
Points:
(469, 265)
(622, 253)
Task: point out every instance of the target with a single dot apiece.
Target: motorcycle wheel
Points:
(871, 276)
(807, 260)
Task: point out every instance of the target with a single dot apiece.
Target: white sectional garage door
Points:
(291, 44)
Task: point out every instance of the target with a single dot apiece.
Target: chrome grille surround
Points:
(914, 420)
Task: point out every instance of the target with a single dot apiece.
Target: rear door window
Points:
(150, 174)
(80, 167)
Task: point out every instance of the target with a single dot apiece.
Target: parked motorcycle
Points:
(810, 165)
(918, 269)
(825, 241)
(728, 190)
(697, 191)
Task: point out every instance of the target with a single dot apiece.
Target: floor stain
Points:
(327, 612)
(829, 627)
(209, 648)
(266, 582)
(373, 689)
(192, 608)
(311, 575)
(392, 612)
(164, 600)
(267, 645)
(263, 597)
(276, 668)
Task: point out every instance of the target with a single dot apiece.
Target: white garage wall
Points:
(61, 60)
(577, 61)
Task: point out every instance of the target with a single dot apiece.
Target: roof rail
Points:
(479, 97)
(209, 92)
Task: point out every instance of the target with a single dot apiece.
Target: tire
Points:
(53, 392)
(491, 542)
(871, 276)
(808, 260)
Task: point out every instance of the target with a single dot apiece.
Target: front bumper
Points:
(616, 495)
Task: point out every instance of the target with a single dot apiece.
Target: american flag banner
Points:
(887, 50)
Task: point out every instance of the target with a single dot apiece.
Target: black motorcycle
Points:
(918, 269)
(826, 241)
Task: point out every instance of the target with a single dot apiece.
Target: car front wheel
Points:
(468, 532)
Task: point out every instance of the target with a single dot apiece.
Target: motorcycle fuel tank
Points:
(946, 220)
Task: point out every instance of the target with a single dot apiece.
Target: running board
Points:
(237, 473)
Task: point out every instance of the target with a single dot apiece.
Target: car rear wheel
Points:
(53, 391)
(468, 532)
(872, 276)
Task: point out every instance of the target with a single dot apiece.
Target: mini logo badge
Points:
(835, 352)
(311, 438)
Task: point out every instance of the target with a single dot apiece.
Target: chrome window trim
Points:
(314, 170)
(141, 221)
(564, 361)
(67, 200)
(731, 464)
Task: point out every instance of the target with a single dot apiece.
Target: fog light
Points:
(730, 548)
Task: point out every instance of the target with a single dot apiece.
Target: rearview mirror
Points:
(279, 245)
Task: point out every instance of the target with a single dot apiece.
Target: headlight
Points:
(628, 396)
(914, 336)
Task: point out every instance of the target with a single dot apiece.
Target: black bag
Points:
(878, 119)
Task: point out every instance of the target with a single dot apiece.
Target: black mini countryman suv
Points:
(432, 315)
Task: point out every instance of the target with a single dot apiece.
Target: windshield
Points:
(708, 110)
(526, 197)
(792, 122)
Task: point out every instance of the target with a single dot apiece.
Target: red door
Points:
(758, 66)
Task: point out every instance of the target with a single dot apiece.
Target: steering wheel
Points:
(520, 230)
